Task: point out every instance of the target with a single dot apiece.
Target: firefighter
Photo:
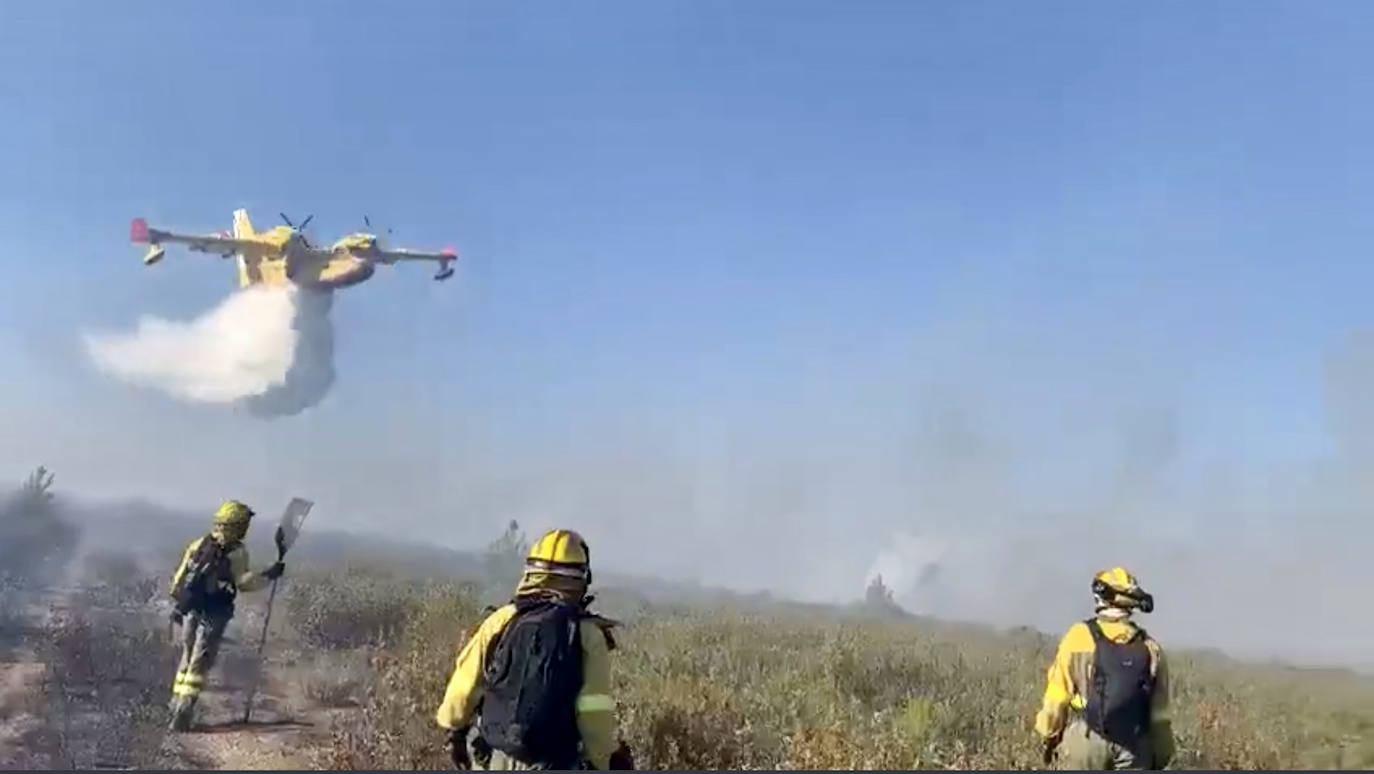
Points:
(531, 688)
(1106, 703)
(213, 570)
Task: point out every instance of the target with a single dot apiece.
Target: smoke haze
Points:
(986, 471)
(267, 350)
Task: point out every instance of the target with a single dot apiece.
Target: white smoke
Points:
(267, 350)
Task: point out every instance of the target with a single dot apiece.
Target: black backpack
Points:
(1122, 687)
(208, 565)
(530, 685)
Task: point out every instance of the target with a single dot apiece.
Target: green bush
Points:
(396, 729)
(352, 608)
(738, 688)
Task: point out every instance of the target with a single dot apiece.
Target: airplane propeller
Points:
(301, 228)
(368, 222)
(303, 224)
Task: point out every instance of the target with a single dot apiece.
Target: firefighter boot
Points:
(183, 708)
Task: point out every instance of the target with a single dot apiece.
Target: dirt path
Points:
(20, 682)
(285, 730)
(280, 734)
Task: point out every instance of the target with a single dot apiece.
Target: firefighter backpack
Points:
(1122, 687)
(531, 682)
(207, 565)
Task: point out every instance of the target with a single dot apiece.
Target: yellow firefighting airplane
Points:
(283, 254)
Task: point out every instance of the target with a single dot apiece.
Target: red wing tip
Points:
(451, 252)
(138, 231)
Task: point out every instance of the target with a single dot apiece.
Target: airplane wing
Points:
(444, 257)
(225, 245)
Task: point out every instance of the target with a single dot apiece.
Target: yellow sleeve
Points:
(1059, 688)
(464, 686)
(1161, 715)
(185, 560)
(244, 578)
(595, 707)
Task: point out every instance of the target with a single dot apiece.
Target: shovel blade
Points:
(291, 520)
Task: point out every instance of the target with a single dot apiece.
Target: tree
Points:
(505, 558)
(36, 491)
(879, 597)
(35, 542)
(878, 594)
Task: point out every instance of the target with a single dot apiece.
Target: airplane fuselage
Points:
(311, 268)
(282, 255)
(294, 261)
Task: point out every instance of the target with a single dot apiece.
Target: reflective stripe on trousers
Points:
(188, 684)
(201, 635)
(595, 702)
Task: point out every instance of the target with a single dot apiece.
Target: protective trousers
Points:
(1083, 749)
(201, 634)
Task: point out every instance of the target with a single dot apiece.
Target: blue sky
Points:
(686, 221)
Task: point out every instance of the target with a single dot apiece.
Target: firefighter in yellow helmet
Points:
(1106, 703)
(213, 569)
(531, 688)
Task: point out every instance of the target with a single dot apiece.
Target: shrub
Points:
(396, 729)
(776, 688)
(110, 578)
(352, 608)
(336, 678)
(106, 689)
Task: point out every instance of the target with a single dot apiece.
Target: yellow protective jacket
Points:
(595, 707)
(244, 578)
(1070, 676)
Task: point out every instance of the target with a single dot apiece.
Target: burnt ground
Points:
(85, 686)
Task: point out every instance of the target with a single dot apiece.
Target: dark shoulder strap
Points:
(206, 548)
(1095, 629)
(1100, 637)
(501, 638)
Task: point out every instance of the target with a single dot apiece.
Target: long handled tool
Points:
(286, 534)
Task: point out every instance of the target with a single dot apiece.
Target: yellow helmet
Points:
(1118, 588)
(233, 513)
(561, 552)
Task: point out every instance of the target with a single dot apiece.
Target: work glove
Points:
(1048, 747)
(458, 749)
(481, 751)
(622, 759)
(274, 572)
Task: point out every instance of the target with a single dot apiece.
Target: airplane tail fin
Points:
(249, 271)
(243, 227)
